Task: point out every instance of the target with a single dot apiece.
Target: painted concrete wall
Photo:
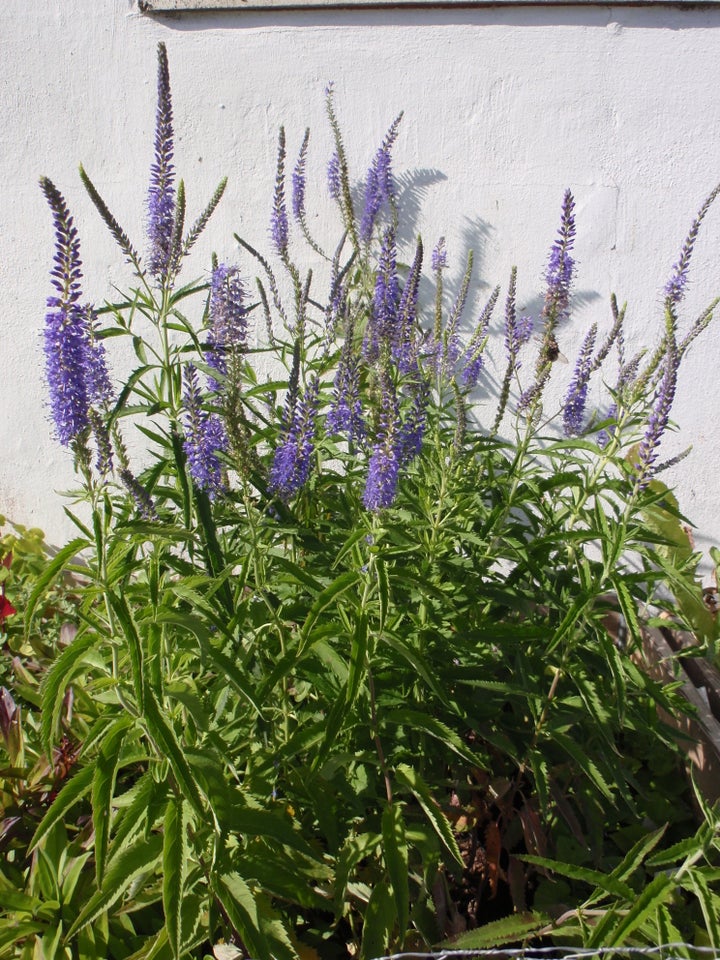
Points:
(504, 108)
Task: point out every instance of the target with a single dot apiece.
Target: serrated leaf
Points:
(595, 878)
(103, 788)
(585, 762)
(410, 778)
(143, 795)
(44, 579)
(270, 824)
(614, 930)
(55, 683)
(383, 591)
(239, 904)
(499, 933)
(358, 652)
(175, 859)
(123, 614)
(634, 858)
(73, 790)
(339, 586)
(236, 676)
(435, 728)
(164, 737)
(395, 852)
(709, 904)
(627, 605)
(379, 922)
(122, 870)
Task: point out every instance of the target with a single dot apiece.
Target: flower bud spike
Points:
(279, 230)
(675, 287)
(119, 235)
(202, 221)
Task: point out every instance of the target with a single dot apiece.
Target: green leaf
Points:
(435, 728)
(122, 871)
(627, 605)
(395, 852)
(595, 878)
(69, 795)
(379, 922)
(227, 667)
(52, 570)
(709, 904)
(55, 684)
(142, 797)
(122, 612)
(14, 932)
(410, 778)
(175, 859)
(269, 824)
(498, 933)
(239, 905)
(339, 586)
(584, 761)
(358, 655)
(383, 591)
(103, 788)
(164, 737)
(614, 929)
(634, 858)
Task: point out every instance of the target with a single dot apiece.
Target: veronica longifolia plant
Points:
(345, 630)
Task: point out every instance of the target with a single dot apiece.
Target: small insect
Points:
(550, 349)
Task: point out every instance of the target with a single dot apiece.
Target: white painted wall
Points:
(504, 108)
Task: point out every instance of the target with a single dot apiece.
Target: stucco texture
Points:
(504, 106)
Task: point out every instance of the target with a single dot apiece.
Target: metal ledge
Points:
(197, 6)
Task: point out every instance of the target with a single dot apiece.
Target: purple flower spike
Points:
(381, 327)
(298, 181)
(161, 195)
(439, 256)
(471, 370)
(228, 320)
(675, 287)
(66, 337)
(345, 415)
(523, 331)
(659, 418)
(204, 438)
(379, 184)
(279, 229)
(75, 362)
(413, 426)
(99, 388)
(607, 433)
(405, 345)
(333, 176)
(293, 457)
(559, 272)
(576, 397)
(384, 466)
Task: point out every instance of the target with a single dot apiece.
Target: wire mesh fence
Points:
(664, 951)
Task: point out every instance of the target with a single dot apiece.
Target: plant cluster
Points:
(344, 679)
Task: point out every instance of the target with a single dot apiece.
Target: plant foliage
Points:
(343, 676)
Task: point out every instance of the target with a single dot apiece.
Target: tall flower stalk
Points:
(558, 277)
(205, 438)
(161, 193)
(76, 369)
